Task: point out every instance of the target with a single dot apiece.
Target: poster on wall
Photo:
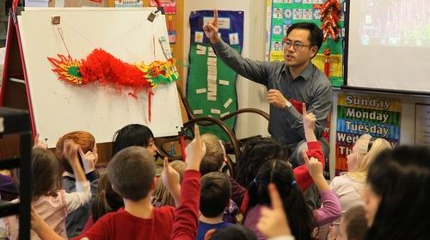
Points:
(168, 5)
(211, 85)
(422, 124)
(361, 114)
(283, 13)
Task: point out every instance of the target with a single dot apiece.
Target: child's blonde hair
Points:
(368, 148)
(214, 157)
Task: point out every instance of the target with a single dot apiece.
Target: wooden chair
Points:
(169, 146)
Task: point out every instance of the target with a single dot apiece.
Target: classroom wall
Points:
(249, 94)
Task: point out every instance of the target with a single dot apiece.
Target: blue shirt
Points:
(204, 227)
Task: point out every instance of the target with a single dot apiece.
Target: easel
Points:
(14, 91)
(19, 80)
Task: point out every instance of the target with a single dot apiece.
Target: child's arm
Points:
(82, 195)
(303, 178)
(331, 209)
(187, 214)
(309, 120)
(273, 222)
(170, 178)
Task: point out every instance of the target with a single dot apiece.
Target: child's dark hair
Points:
(131, 172)
(355, 222)
(401, 178)
(256, 152)
(215, 194)
(131, 135)
(279, 172)
(106, 200)
(214, 156)
(84, 139)
(234, 232)
(45, 172)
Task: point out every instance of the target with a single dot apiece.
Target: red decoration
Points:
(327, 53)
(330, 12)
(103, 68)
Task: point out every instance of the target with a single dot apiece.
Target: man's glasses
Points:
(297, 46)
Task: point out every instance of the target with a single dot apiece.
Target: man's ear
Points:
(314, 51)
(209, 234)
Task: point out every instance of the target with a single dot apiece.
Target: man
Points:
(289, 84)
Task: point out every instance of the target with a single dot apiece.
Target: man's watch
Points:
(287, 104)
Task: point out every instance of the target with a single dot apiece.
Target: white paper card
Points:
(224, 82)
(212, 77)
(200, 90)
(215, 111)
(228, 102)
(201, 47)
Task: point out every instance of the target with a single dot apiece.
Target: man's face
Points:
(299, 53)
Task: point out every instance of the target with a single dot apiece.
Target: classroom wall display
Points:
(360, 114)
(284, 13)
(100, 107)
(211, 85)
(168, 5)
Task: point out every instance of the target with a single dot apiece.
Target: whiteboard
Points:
(60, 107)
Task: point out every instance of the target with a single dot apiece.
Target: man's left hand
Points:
(276, 98)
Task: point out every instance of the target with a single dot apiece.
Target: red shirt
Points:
(123, 225)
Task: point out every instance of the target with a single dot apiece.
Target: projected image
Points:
(403, 23)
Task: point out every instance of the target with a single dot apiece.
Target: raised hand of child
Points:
(70, 150)
(309, 120)
(39, 143)
(89, 160)
(170, 178)
(273, 221)
(195, 151)
(314, 166)
(211, 28)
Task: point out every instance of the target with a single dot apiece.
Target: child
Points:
(48, 199)
(350, 185)
(134, 135)
(139, 219)
(214, 198)
(397, 195)
(162, 196)
(214, 157)
(106, 201)
(281, 174)
(76, 220)
(132, 172)
(353, 225)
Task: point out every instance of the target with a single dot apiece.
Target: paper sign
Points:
(229, 101)
(200, 90)
(215, 111)
(224, 82)
(198, 111)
